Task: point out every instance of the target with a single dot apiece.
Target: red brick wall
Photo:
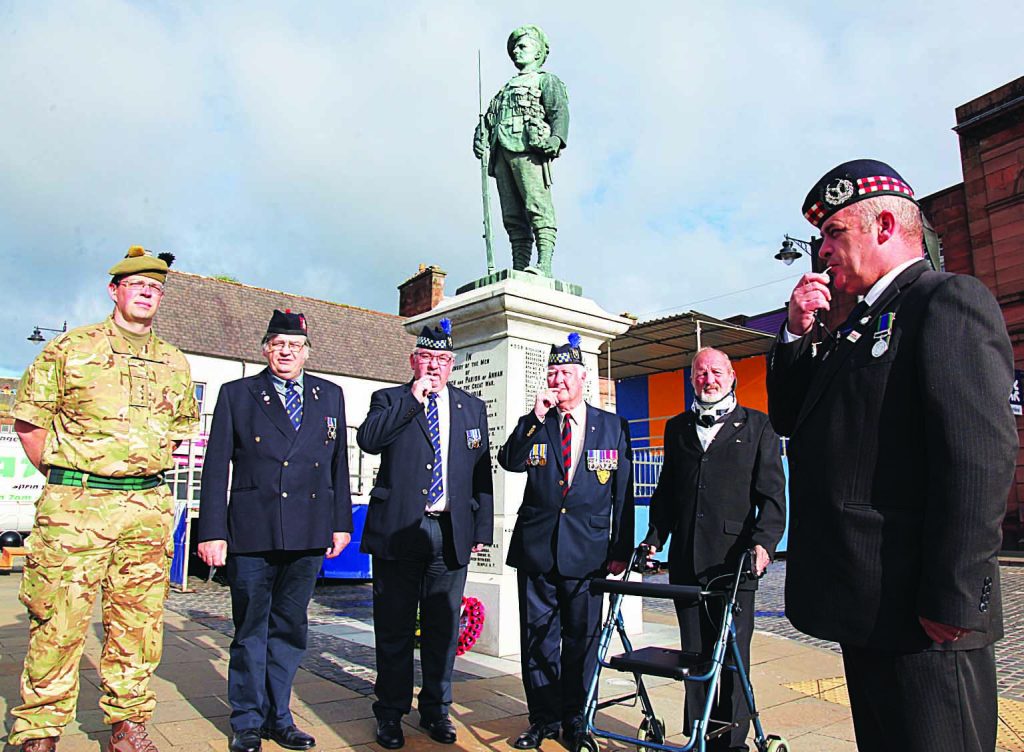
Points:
(947, 211)
(991, 130)
(422, 291)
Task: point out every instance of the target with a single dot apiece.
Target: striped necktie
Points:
(434, 426)
(566, 450)
(293, 403)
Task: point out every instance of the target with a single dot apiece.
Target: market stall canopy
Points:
(669, 344)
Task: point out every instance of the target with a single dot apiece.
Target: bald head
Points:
(712, 375)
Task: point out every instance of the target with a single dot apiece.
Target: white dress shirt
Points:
(578, 416)
(707, 434)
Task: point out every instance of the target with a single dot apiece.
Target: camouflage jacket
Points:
(108, 411)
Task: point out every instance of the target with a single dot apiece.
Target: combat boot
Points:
(521, 253)
(544, 254)
(545, 250)
(130, 736)
(46, 744)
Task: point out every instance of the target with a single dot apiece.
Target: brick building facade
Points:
(981, 224)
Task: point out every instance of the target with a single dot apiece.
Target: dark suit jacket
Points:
(289, 489)
(719, 503)
(593, 523)
(396, 429)
(900, 467)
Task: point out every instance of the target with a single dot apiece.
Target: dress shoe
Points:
(289, 737)
(573, 732)
(46, 744)
(442, 730)
(246, 740)
(533, 736)
(130, 736)
(389, 734)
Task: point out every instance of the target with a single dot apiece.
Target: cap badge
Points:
(839, 191)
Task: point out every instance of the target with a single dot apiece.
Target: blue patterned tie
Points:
(293, 403)
(434, 425)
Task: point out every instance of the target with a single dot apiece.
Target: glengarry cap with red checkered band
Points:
(849, 183)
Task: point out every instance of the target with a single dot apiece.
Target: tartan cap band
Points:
(849, 183)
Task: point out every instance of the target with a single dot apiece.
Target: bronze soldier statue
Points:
(525, 127)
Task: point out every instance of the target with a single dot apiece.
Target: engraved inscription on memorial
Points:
(482, 373)
(535, 368)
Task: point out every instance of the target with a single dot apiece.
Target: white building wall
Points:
(213, 372)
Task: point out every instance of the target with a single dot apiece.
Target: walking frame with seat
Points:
(671, 663)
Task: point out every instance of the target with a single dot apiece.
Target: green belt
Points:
(60, 476)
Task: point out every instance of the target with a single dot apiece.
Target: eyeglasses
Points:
(280, 346)
(440, 359)
(136, 286)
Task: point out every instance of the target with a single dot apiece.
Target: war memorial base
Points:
(504, 325)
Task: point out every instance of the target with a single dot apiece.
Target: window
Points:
(200, 391)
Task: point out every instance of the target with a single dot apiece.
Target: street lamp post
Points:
(37, 332)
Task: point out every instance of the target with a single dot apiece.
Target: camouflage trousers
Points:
(85, 541)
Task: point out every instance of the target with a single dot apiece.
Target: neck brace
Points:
(717, 409)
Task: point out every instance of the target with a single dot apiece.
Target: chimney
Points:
(422, 291)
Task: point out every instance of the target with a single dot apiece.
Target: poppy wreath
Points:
(471, 624)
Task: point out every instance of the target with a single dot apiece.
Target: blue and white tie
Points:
(434, 426)
(293, 403)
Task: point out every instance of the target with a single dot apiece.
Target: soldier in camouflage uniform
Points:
(526, 126)
(99, 412)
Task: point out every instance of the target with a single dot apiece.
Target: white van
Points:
(20, 486)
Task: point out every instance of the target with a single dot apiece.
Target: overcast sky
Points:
(324, 148)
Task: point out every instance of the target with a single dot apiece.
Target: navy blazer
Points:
(900, 465)
(718, 503)
(396, 429)
(591, 524)
(289, 489)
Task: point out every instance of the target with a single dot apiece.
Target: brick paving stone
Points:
(770, 616)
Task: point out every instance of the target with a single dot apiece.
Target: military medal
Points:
(332, 428)
(473, 438)
(601, 462)
(882, 334)
(538, 456)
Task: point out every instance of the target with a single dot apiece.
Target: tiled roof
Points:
(221, 319)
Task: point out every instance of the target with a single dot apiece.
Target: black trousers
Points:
(270, 594)
(934, 701)
(559, 620)
(699, 624)
(429, 577)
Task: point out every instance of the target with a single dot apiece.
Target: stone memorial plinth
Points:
(503, 330)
